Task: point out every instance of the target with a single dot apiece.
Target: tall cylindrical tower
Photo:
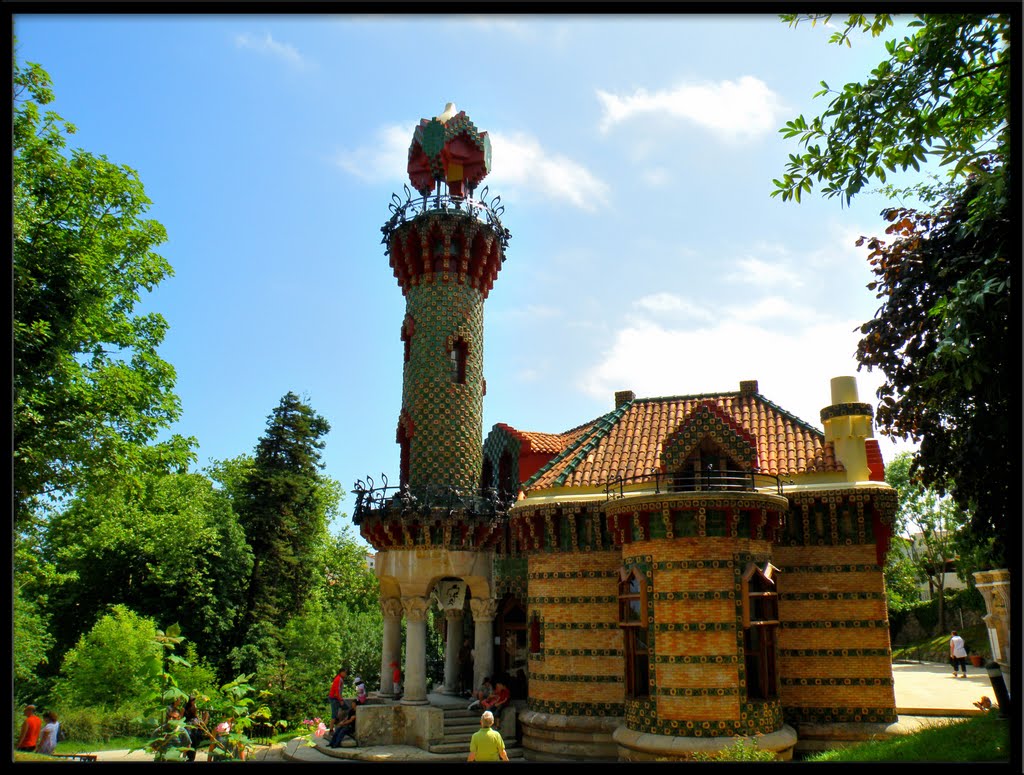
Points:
(446, 249)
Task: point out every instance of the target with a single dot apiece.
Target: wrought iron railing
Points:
(406, 501)
(481, 209)
(705, 481)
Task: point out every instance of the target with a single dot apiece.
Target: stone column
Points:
(484, 611)
(414, 691)
(451, 651)
(392, 647)
(994, 586)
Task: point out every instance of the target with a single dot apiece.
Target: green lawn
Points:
(977, 739)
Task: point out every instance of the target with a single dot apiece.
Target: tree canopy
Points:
(943, 334)
(283, 507)
(91, 394)
(942, 94)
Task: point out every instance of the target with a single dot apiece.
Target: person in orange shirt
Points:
(29, 730)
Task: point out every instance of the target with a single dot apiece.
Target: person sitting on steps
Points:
(486, 690)
(498, 700)
(344, 724)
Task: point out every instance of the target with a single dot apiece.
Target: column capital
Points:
(484, 609)
(454, 614)
(415, 608)
(392, 607)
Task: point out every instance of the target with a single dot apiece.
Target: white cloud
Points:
(672, 306)
(742, 108)
(757, 271)
(526, 168)
(773, 308)
(267, 45)
(383, 161)
(792, 369)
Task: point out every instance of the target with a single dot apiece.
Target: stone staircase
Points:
(460, 725)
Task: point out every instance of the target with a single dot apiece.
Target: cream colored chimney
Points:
(847, 424)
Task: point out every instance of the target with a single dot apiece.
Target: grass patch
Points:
(936, 649)
(977, 739)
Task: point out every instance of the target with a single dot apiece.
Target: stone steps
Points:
(459, 726)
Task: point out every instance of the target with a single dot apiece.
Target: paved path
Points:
(926, 693)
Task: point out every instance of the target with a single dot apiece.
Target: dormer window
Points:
(707, 468)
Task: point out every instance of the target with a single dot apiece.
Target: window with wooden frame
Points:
(633, 621)
(760, 630)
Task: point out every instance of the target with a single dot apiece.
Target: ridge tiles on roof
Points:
(598, 428)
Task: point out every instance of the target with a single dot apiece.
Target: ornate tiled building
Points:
(675, 574)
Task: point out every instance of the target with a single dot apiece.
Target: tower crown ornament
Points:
(450, 149)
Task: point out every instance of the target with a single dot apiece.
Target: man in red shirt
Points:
(29, 730)
(334, 697)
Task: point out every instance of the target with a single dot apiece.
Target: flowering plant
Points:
(321, 728)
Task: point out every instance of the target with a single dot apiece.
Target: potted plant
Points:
(977, 660)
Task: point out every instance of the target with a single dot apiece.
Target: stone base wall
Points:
(549, 737)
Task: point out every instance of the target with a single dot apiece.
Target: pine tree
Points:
(283, 510)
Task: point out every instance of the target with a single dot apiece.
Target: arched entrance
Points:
(513, 646)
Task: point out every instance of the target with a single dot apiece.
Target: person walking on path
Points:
(487, 745)
(29, 737)
(958, 654)
(334, 697)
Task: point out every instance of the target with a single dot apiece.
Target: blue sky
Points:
(634, 156)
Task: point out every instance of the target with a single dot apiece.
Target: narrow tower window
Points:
(633, 621)
(458, 355)
(760, 623)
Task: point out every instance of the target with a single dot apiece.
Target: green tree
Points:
(901, 575)
(117, 663)
(344, 578)
(168, 546)
(941, 339)
(91, 394)
(933, 522)
(283, 504)
(942, 95)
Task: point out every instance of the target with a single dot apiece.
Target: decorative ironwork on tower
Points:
(445, 248)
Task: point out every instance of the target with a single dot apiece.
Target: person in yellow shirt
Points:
(487, 745)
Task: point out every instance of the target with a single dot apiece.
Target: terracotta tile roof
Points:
(628, 441)
(545, 443)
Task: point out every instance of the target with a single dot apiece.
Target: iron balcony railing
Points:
(481, 209)
(723, 480)
(487, 504)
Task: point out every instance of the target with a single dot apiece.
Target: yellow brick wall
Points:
(579, 669)
(834, 653)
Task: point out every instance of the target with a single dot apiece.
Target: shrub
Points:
(116, 663)
(743, 750)
(91, 724)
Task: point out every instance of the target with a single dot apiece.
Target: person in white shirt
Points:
(958, 654)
